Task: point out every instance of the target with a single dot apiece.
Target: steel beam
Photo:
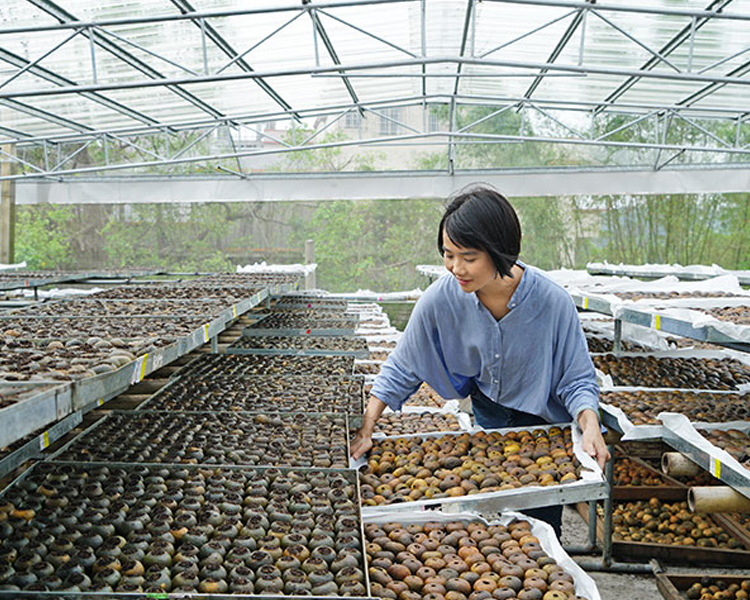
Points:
(675, 42)
(453, 139)
(334, 57)
(401, 185)
(64, 16)
(557, 50)
(57, 79)
(175, 83)
(470, 7)
(185, 8)
(45, 115)
(207, 14)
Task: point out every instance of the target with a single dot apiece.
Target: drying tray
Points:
(591, 486)
(347, 473)
(245, 396)
(83, 448)
(300, 345)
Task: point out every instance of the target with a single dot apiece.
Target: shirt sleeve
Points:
(418, 357)
(577, 387)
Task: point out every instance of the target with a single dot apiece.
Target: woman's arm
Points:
(362, 441)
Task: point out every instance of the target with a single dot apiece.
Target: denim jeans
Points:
(490, 415)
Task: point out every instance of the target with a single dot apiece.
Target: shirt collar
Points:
(524, 286)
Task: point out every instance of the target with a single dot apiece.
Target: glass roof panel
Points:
(514, 39)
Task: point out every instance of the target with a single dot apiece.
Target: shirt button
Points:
(497, 356)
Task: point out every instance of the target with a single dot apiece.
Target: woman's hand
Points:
(592, 440)
(361, 443)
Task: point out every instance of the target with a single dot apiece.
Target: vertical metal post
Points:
(592, 524)
(310, 283)
(7, 207)
(692, 44)
(202, 23)
(609, 473)
(583, 36)
(618, 336)
(215, 344)
(451, 139)
(92, 47)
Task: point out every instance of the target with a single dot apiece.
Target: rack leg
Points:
(215, 344)
(609, 473)
(618, 335)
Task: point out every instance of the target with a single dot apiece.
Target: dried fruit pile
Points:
(426, 396)
(687, 372)
(293, 393)
(367, 368)
(66, 328)
(715, 588)
(657, 522)
(303, 342)
(297, 440)
(734, 441)
(457, 560)
(195, 291)
(629, 472)
(291, 320)
(230, 369)
(22, 360)
(406, 423)
(182, 529)
(642, 407)
(739, 315)
(425, 468)
(125, 308)
(671, 295)
(600, 344)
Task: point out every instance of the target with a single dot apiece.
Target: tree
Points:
(42, 237)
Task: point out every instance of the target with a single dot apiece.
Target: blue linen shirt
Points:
(535, 359)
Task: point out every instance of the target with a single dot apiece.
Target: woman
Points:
(497, 330)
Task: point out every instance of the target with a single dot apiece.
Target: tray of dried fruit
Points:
(81, 307)
(234, 368)
(293, 301)
(297, 323)
(176, 291)
(368, 367)
(669, 532)
(84, 328)
(302, 345)
(512, 468)
(422, 419)
(700, 586)
(683, 436)
(216, 438)
(635, 479)
(691, 369)
(633, 411)
(432, 555)
(269, 393)
(158, 529)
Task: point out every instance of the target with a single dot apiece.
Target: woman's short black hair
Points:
(480, 217)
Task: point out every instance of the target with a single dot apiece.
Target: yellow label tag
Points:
(205, 333)
(100, 402)
(234, 310)
(143, 366)
(44, 440)
(585, 303)
(657, 322)
(716, 468)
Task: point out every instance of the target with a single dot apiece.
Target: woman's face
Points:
(472, 268)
